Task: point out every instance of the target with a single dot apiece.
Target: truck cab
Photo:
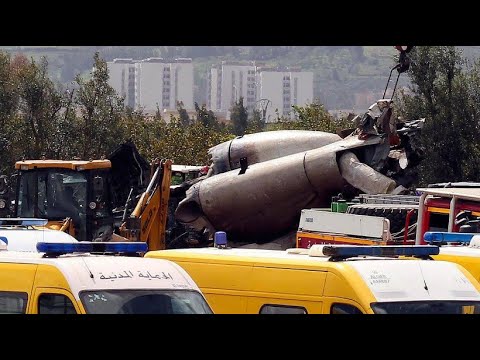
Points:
(440, 207)
(78, 197)
(75, 190)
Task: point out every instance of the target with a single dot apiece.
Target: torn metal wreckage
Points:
(258, 184)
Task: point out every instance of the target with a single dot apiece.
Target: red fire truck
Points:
(450, 208)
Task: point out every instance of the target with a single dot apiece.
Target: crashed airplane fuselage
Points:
(259, 183)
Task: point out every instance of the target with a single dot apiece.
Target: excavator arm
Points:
(148, 221)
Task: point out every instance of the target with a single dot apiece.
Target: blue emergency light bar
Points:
(23, 222)
(92, 247)
(346, 251)
(447, 237)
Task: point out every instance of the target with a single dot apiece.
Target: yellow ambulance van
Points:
(460, 248)
(328, 279)
(68, 278)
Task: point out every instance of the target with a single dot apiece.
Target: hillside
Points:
(346, 77)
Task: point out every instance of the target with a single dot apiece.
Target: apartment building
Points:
(122, 79)
(230, 81)
(156, 83)
(283, 87)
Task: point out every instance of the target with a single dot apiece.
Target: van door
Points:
(224, 285)
(49, 301)
(278, 290)
(16, 282)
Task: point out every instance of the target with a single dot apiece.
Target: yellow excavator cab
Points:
(74, 195)
(78, 165)
(77, 197)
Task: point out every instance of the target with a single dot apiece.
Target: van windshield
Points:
(144, 302)
(427, 307)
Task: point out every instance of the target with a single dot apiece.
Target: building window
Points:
(55, 304)
(177, 75)
(12, 302)
(122, 90)
(295, 90)
(344, 309)
(241, 83)
(282, 309)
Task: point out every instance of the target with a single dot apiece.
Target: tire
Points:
(396, 213)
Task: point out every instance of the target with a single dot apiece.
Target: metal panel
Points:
(340, 223)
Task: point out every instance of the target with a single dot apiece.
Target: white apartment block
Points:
(230, 81)
(284, 89)
(122, 79)
(158, 83)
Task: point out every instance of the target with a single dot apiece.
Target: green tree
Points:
(206, 117)
(101, 112)
(40, 104)
(256, 123)
(182, 113)
(65, 127)
(239, 117)
(8, 107)
(311, 117)
(448, 97)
